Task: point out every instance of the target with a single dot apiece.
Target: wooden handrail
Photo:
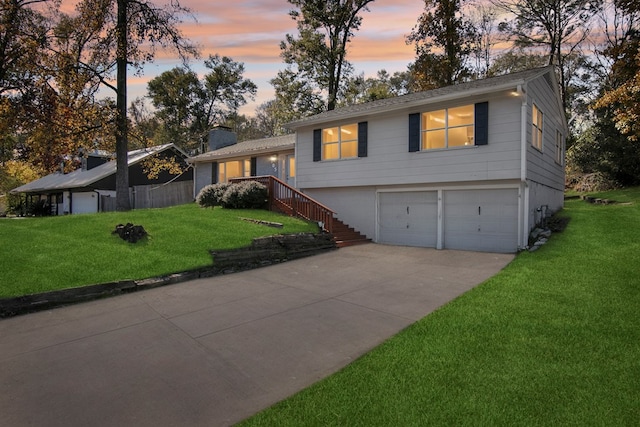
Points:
(285, 198)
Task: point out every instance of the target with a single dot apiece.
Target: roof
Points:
(476, 87)
(250, 147)
(82, 178)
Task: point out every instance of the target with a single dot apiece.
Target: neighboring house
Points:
(228, 159)
(472, 166)
(92, 188)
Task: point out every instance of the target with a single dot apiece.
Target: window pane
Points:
(461, 116)
(330, 151)
(247, 167)
(349, 149)
(221, 173)
(329, 135)
(349, 133)
(292, 167)
(460, 136)
(433, 139)
(433, 120)
(234, 169)
(536, 127)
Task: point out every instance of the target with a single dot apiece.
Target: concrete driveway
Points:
(212, 352)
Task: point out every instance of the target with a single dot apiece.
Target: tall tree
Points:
(443, 41)
(610, 146)
(188, 107)
(295, 98)
(140, 28)
(319, 53)
(621, 94)
(360, 89)
(23, 36)
(175, 95)
(484, 18)
(558, 26)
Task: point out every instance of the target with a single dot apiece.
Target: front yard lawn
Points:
(42, 254)
(553, 339)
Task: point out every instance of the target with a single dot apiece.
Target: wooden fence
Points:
(153, 196)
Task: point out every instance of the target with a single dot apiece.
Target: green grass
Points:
(41, 254)
(553, 339)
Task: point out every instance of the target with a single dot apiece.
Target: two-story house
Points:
(472, 166)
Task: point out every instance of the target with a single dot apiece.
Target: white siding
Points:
(545, 177)
(355, 206)
(541, 166)
(350, 186)
(84, 202)
(389, 161)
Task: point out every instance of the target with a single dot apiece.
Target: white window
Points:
(340, 142)
(233, 169)
(451, 127)
(536, 129)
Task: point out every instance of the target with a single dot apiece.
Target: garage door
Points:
(84, 203)
(481, 220)
(408, 218)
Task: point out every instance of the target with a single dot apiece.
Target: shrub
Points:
(212, 195)
(245, 195)
(253, 195)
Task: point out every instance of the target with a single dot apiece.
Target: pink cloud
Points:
(250, 31)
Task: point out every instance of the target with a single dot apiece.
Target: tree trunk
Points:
(122, 146)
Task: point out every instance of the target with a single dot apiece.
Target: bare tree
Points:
(559, 27)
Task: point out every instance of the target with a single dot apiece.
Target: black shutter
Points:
(317, 145)
(481, 131)
(214, 172)
(362, 139)
(414, 132)
(254, 166)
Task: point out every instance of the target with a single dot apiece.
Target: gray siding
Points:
(201, 177)
(541, 166)
(389, 161)
(545, 177)
(355, 206)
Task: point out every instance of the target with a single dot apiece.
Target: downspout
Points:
(523, 217)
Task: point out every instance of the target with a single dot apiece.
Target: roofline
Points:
(413, 102)
(214, 157)
(165, 147)
(101, 176)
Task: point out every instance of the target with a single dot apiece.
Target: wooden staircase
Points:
(287, 200)
(344, 235)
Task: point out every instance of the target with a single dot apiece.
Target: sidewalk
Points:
(212, 352)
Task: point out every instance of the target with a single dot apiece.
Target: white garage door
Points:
(481, 220)
(408, 218)
(84, 203)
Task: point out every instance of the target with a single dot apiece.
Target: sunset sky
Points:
(250, 31)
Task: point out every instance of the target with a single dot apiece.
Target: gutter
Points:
(523, 206)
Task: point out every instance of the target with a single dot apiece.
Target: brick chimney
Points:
(221, 136)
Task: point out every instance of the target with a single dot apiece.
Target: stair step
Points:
(345, 235)
(344, 243)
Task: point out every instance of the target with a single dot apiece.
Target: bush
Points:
(245, 195)
(211, 195)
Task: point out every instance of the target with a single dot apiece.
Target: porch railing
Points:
(286, 199)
